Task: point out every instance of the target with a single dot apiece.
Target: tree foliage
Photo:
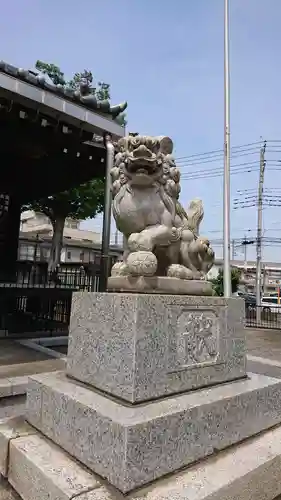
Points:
(53, 71)
(218, 281)
(82, 202)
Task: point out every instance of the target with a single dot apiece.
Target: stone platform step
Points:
(38, 469)
(131, 446)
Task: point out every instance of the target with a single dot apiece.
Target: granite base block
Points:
(133, 445)
(40, 470)
(247, 471)
(11, 429)
(140, 347)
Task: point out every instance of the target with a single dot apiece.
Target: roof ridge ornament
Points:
(81, 96)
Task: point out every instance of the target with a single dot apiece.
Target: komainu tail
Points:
(195, 214)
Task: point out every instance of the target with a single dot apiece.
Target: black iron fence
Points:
(39, 303)
(263, 317)
(72, 278)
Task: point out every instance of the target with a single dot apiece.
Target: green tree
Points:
(79, 203)
(52, 71)
(218, 281)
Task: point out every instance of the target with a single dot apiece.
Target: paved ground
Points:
(13, 353)
(264, 343)
(17, 360)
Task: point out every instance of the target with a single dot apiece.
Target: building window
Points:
(73, 224)
(45, 253)
(26, 252)
(97, 259)
(68, 255)
(82, 256)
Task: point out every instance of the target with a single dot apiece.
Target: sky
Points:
(166, 59)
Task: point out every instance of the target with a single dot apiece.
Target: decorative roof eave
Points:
(50, 104)
(81, 96)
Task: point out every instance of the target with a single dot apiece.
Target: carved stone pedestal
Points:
(139, 347)
(154, 383)
(127, 407)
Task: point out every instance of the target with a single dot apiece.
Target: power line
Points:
(209, 157)
(208, 153)
(214, 159)
(219, 173)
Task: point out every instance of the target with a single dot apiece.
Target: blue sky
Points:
(166, 59)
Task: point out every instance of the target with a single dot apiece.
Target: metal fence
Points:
(73, 277)
(266, 318)
(39, 303)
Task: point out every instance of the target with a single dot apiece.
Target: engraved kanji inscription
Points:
(197, 340)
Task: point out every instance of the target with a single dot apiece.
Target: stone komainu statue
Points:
(160, 237)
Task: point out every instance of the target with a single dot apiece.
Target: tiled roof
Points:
(81, 96)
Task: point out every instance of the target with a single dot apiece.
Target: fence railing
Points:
(263, 317)
(66, 276)
(39, 303)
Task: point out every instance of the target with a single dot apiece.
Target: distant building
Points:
(271, 274)
(79, 245)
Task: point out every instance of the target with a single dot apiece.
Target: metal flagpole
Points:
(226, 179)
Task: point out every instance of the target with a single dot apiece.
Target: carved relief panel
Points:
(197, 338)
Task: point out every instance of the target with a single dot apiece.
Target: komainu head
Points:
(142, 161)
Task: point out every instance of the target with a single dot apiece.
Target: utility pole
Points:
(245, 252)
(259, 231)
(226, 177)
(245, 243)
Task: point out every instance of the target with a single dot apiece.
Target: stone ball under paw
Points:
(137, 242)
(120, 269)
(142, 263)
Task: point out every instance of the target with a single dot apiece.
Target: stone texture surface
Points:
(5, 388)
(141, 346)
(248, 471)
(133, 445)
(159, 284)
(40, 470)
(11, 429)
(13, 386)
